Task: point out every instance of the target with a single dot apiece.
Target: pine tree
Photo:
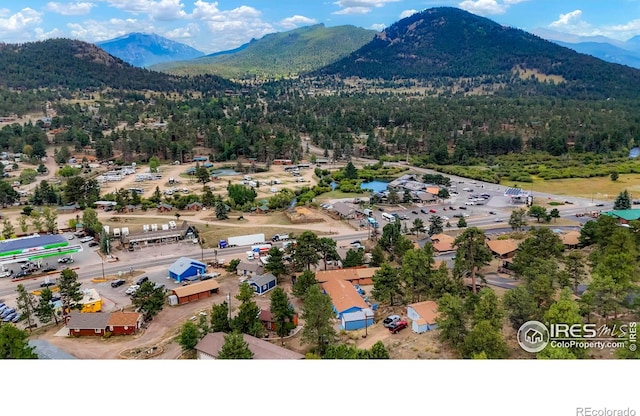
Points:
(235, 348)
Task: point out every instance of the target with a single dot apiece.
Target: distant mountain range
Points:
(610, 50)
(449, 49)
(278, 54)
(446, 43)
(144, 50)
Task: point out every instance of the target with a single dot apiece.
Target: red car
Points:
(399, 326)
(433, 211)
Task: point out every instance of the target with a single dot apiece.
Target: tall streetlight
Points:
(229, 304)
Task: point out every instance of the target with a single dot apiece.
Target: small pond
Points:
(376, 186)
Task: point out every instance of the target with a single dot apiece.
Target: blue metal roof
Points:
(30, 242)
(183, 264)
(634, 153)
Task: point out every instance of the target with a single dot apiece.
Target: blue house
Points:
(263, 283)
(184, 267)
(423, 316)
(356, 320)
(344, 297)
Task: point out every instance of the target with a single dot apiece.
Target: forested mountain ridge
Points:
(73, 64)
(449, 43)
(278, 54)
(143, 50)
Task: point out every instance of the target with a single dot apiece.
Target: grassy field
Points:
(597, 188)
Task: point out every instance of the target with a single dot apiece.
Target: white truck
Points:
(280, 237)
(242, 240)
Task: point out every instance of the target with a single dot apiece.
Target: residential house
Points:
(246, 268)
(105, 205)
(209, 347)
(124, 323)
(344, 297)
(163, 207)
(262, 283)
(423, 316)
(66, 209)
(267, 320)
(87, 324)
(353, 275)
(194, 206)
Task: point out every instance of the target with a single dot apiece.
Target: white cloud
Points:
(229, 28)
(353, 10)
(378, 26)
(483, 7)
(567, 19)
(348, 7)
(296, 21)
(488, 7)
(407, 13)
(156, 9)
(19, 22)
(70, 9)
(96, 31)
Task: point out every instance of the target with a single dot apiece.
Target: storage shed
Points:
(263, 283)
(185, 267)
(196, 291)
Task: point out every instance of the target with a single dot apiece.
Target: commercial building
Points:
(35, 247)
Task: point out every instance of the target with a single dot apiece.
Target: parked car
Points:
(142, 280)
(424, 211)
(93, 243)
(6, 273)
(16, 318)
(391, 320)
(65, 260)
(86, 239)
(462, 207)
(132, 289)
(9, 317)
(47, 283)
(414, 212)
(404, 217)
(469, 203)
(71, 237)
(492, 212)
(21, 274)
(118, 283)
(452, 208)
(433, 211)
(398, 326)
(48, 269)
(6, 312)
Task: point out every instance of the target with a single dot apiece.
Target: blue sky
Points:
(212, 26)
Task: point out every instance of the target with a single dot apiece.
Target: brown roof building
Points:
(344, 296)
(196, 291)
(360, 275)
(209, 347)
(503, 248)
(442, 243)
(124, 323)
(423, 316)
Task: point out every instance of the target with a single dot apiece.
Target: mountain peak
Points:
(143, 49)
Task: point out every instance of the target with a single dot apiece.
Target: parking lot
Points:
(478, 204)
